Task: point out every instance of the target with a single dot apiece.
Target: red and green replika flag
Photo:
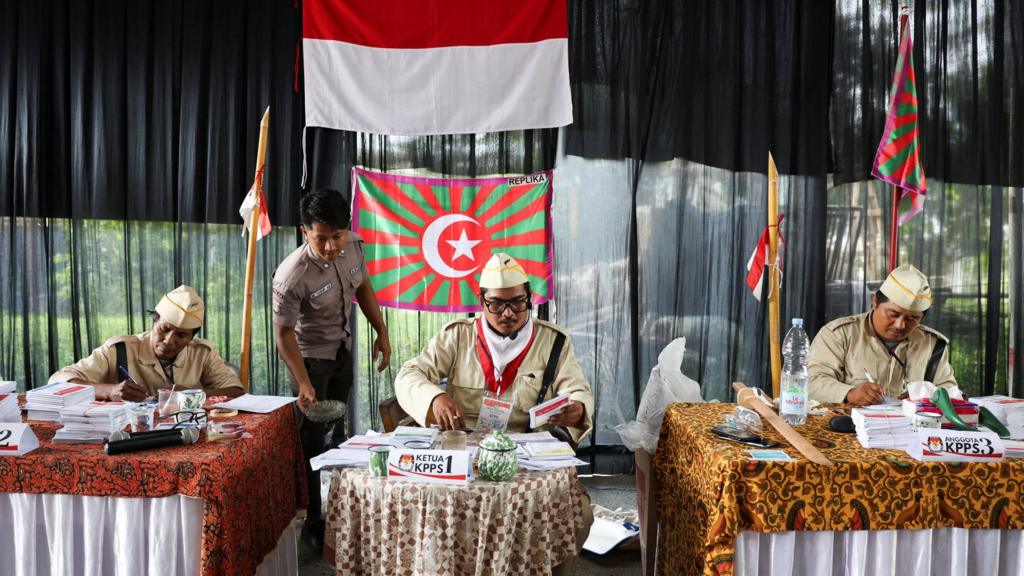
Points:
(426, 239)
(897, 160)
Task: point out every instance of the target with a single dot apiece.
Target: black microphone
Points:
(184, 436)
(124, 435)
(513, 335)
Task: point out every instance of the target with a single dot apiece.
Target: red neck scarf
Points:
(508, 375)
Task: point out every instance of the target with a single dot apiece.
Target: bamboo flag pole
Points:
(250, 256)
(773, 274)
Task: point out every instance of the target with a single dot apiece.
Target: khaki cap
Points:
(182, 307)
(502, 271)
(907, 287)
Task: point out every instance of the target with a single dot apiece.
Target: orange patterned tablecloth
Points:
(709, 490)
(522, 527)
(250, 487)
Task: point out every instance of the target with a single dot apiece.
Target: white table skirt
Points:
(938, 552)
(43, 534)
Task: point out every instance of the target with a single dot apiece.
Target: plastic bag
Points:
(666, 385)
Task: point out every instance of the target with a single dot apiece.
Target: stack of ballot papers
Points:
(46, 403)
(8, 387)
(541, 451)
(883, 427)
(1013, 448)
(1009, 411)
(9, 411)
(403, 435)
(91, 422)
(354, 452)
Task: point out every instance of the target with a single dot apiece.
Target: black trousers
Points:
(332, 380)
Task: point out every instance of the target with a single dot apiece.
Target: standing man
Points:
(313, 291)
(888, 342)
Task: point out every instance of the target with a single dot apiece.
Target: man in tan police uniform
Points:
(313, 291)
(168, 355)
(502, 355)
(888, 341)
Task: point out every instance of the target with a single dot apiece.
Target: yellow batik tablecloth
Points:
(386, 527)
(709, 490)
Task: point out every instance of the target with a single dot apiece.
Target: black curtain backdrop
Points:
(147, 110)
(128, 133)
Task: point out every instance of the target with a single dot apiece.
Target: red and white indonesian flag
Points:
(416, 67)
(255, 201)
(759, 263)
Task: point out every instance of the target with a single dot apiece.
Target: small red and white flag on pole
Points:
(758, 260)
(256, 200)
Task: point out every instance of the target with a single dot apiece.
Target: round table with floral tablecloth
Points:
(521, 527)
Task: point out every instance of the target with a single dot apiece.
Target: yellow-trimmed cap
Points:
(907, 287)
(502, 271)
(182, 307)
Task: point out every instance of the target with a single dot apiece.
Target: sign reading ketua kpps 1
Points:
(936, 445)
(432, 466)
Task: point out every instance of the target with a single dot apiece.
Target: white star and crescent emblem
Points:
(463, 246)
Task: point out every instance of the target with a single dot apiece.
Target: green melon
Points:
(498, 460)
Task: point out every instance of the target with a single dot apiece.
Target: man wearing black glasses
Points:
(498, 366)
(495, 364)
(863, 358)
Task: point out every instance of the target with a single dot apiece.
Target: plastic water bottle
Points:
(796, 346)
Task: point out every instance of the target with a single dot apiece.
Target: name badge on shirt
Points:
(323, 290)
(494, 413)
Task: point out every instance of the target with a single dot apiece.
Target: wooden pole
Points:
(894, 236)
(747, 398)
(250, 256)
(773, 275)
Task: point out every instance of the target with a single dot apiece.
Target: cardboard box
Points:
(647, 510)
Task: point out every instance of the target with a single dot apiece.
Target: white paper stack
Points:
(9, 411)
(547, 455)
(1009, 411)
(339, 457)
(46, 403)
(883, 427)
(1013, 448)
(8, 387)
(91, 421)
(403, 435)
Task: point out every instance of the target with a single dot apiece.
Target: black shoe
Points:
(313, 534)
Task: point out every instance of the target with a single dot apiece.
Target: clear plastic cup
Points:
(167, 402)
(140, 417)
(453, 440)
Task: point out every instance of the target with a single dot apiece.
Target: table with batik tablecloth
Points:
(872, 512)
(390, 527)
(210, 508)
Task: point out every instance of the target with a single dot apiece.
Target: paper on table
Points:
(404, 434)
(523, 437)
(551, 464)
(354, 457)
(257, 404)
(365, 441)
(606, 535)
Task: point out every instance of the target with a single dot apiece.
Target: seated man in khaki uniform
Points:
(168, 355)
(888, 342)
(501, 355)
